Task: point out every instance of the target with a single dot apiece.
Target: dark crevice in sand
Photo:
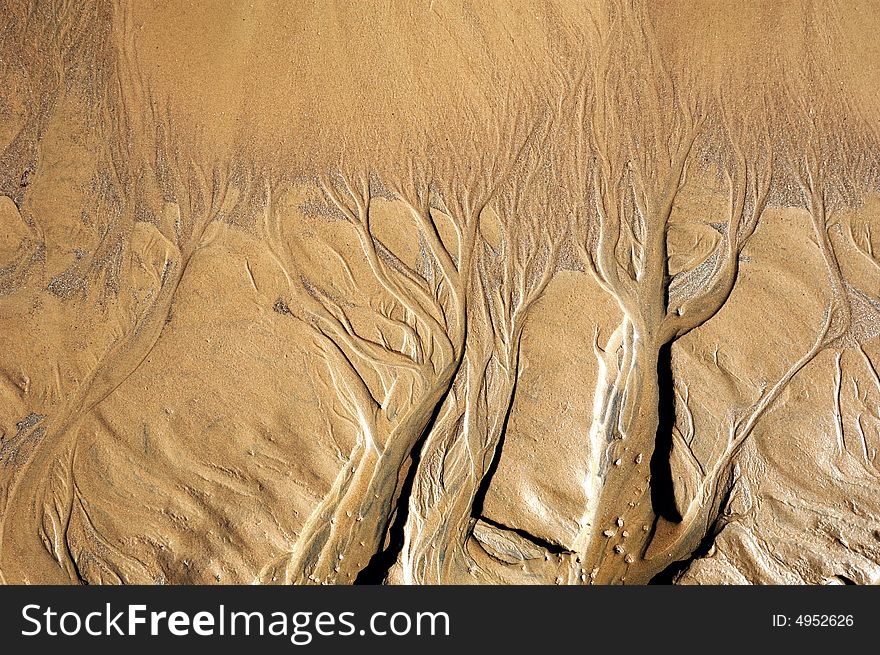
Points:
(483, 488)
(550, 547)
(662, 491)
(376, 570)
